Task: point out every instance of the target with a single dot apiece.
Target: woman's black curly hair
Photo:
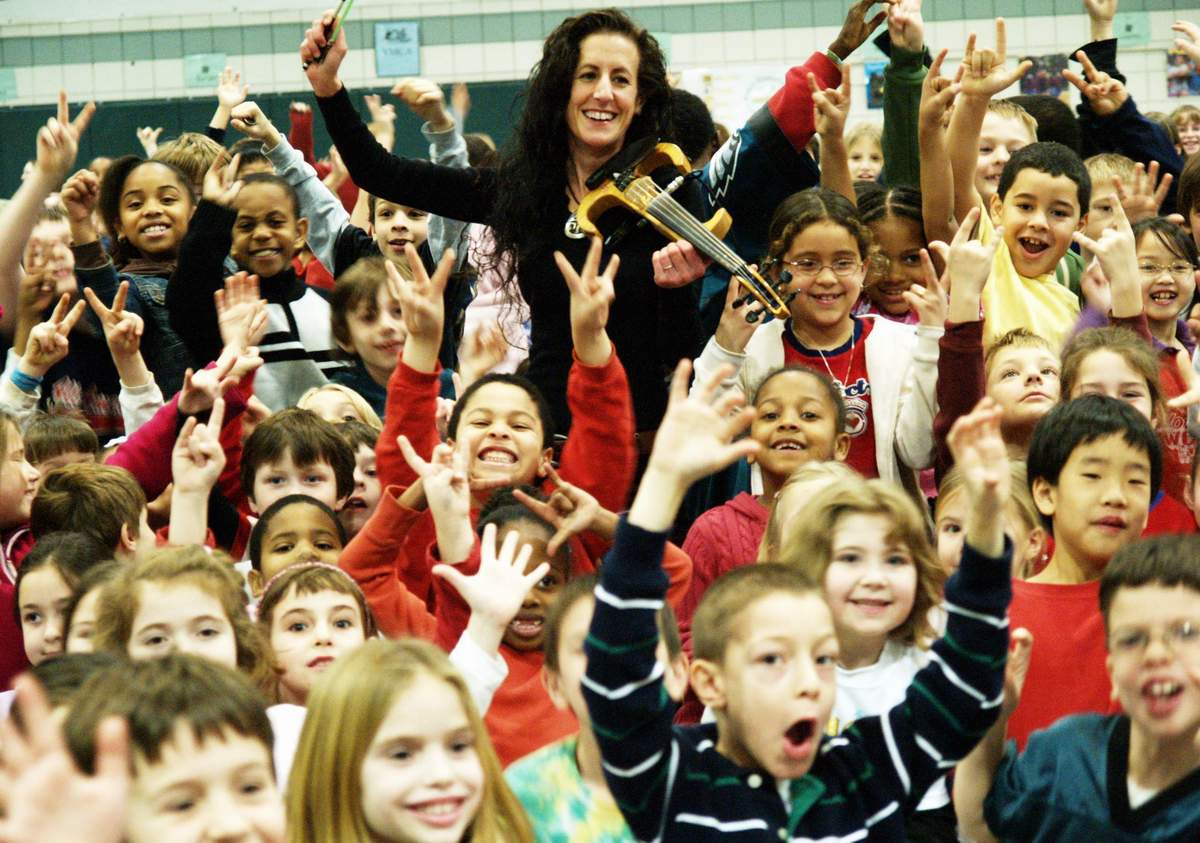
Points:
(532, 173)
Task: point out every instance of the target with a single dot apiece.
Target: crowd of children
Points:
(370, 500)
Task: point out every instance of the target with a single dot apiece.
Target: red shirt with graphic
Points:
(847, 365)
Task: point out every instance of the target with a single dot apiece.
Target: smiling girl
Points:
(393, 750)
(886, 371)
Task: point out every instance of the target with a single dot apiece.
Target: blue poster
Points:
(398, 48)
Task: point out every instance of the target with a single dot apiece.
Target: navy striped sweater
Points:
(672, 784)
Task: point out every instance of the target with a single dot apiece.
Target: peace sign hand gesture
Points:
(831, 106)
(122, 329)
(986, 71)
(1104, 93)
(421, 307)
(47, 343)
(591, 295)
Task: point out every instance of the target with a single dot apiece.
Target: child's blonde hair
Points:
(366, 415)
(808, 543)
(864, 131)
(1020, 497)
(1184, 115)
(1106, 166)
(191, 152)
(1016, 338)
(830, 470)
(1008, 110)
(345, 709)
(193, 565)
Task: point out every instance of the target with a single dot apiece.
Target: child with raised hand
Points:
(1128, 776)
(800, 419)
(395, 722)
(887, 371)
(1022, 522)
(502, 420)
(1040, 200)
(523, 717)
(146, 207)
(258, 221)
(57, 146)
(765, 652)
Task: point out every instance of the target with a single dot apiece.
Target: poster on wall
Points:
(202, 70)
(1045, 77)
(398, 48)
(1183, 80)
(732, 94)
(874, 71)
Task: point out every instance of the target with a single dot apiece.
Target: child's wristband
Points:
(833, 57)
(26, 383)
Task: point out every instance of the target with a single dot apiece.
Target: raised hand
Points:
(1097, 293)
(36, 290)
(249, 119)
(570, 510)
(1190, 40)
(230, 90)
(733, 330)
(202, 389)
(696, 436)
(47, 798)
(591, 295)
(1191, 395)
(447, 490)
(928, 300)
(1142, 198)
(982, 457)
(968, 265)
(1016, 669)
(241, 312)
(906, 27)
(122, 329)
(1104, 93)
(938, 93)
(678, 264)
(421, 306)
(831, 106)
(1116, 250)
(986, 72)
(380, 111)
(497, 590)
(58, 140)
(482, 350)
(426, 100)
(80, 195)
(856, 28)
(148, 138)
(460, 100)
(323, 73)
(221, 184)
(198, 457)
(47, 343)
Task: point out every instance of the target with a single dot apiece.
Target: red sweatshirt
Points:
(599, 456)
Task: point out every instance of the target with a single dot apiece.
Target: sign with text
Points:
(202, 70)
(398, 48)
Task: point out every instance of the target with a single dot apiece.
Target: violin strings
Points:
(662, 205)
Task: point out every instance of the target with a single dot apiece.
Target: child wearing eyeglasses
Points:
(887, 371)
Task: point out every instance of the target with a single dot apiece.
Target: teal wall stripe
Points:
(439, 30)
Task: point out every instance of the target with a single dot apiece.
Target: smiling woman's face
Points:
(604, 94)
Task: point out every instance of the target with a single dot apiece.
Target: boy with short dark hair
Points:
(102, 501)
(1041, 200)
(1094, 466)
(766, 771)
(296, 452)
(54, 441)
(196, 727)
(1128, 776)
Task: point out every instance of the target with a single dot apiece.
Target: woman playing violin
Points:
(601, 84)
